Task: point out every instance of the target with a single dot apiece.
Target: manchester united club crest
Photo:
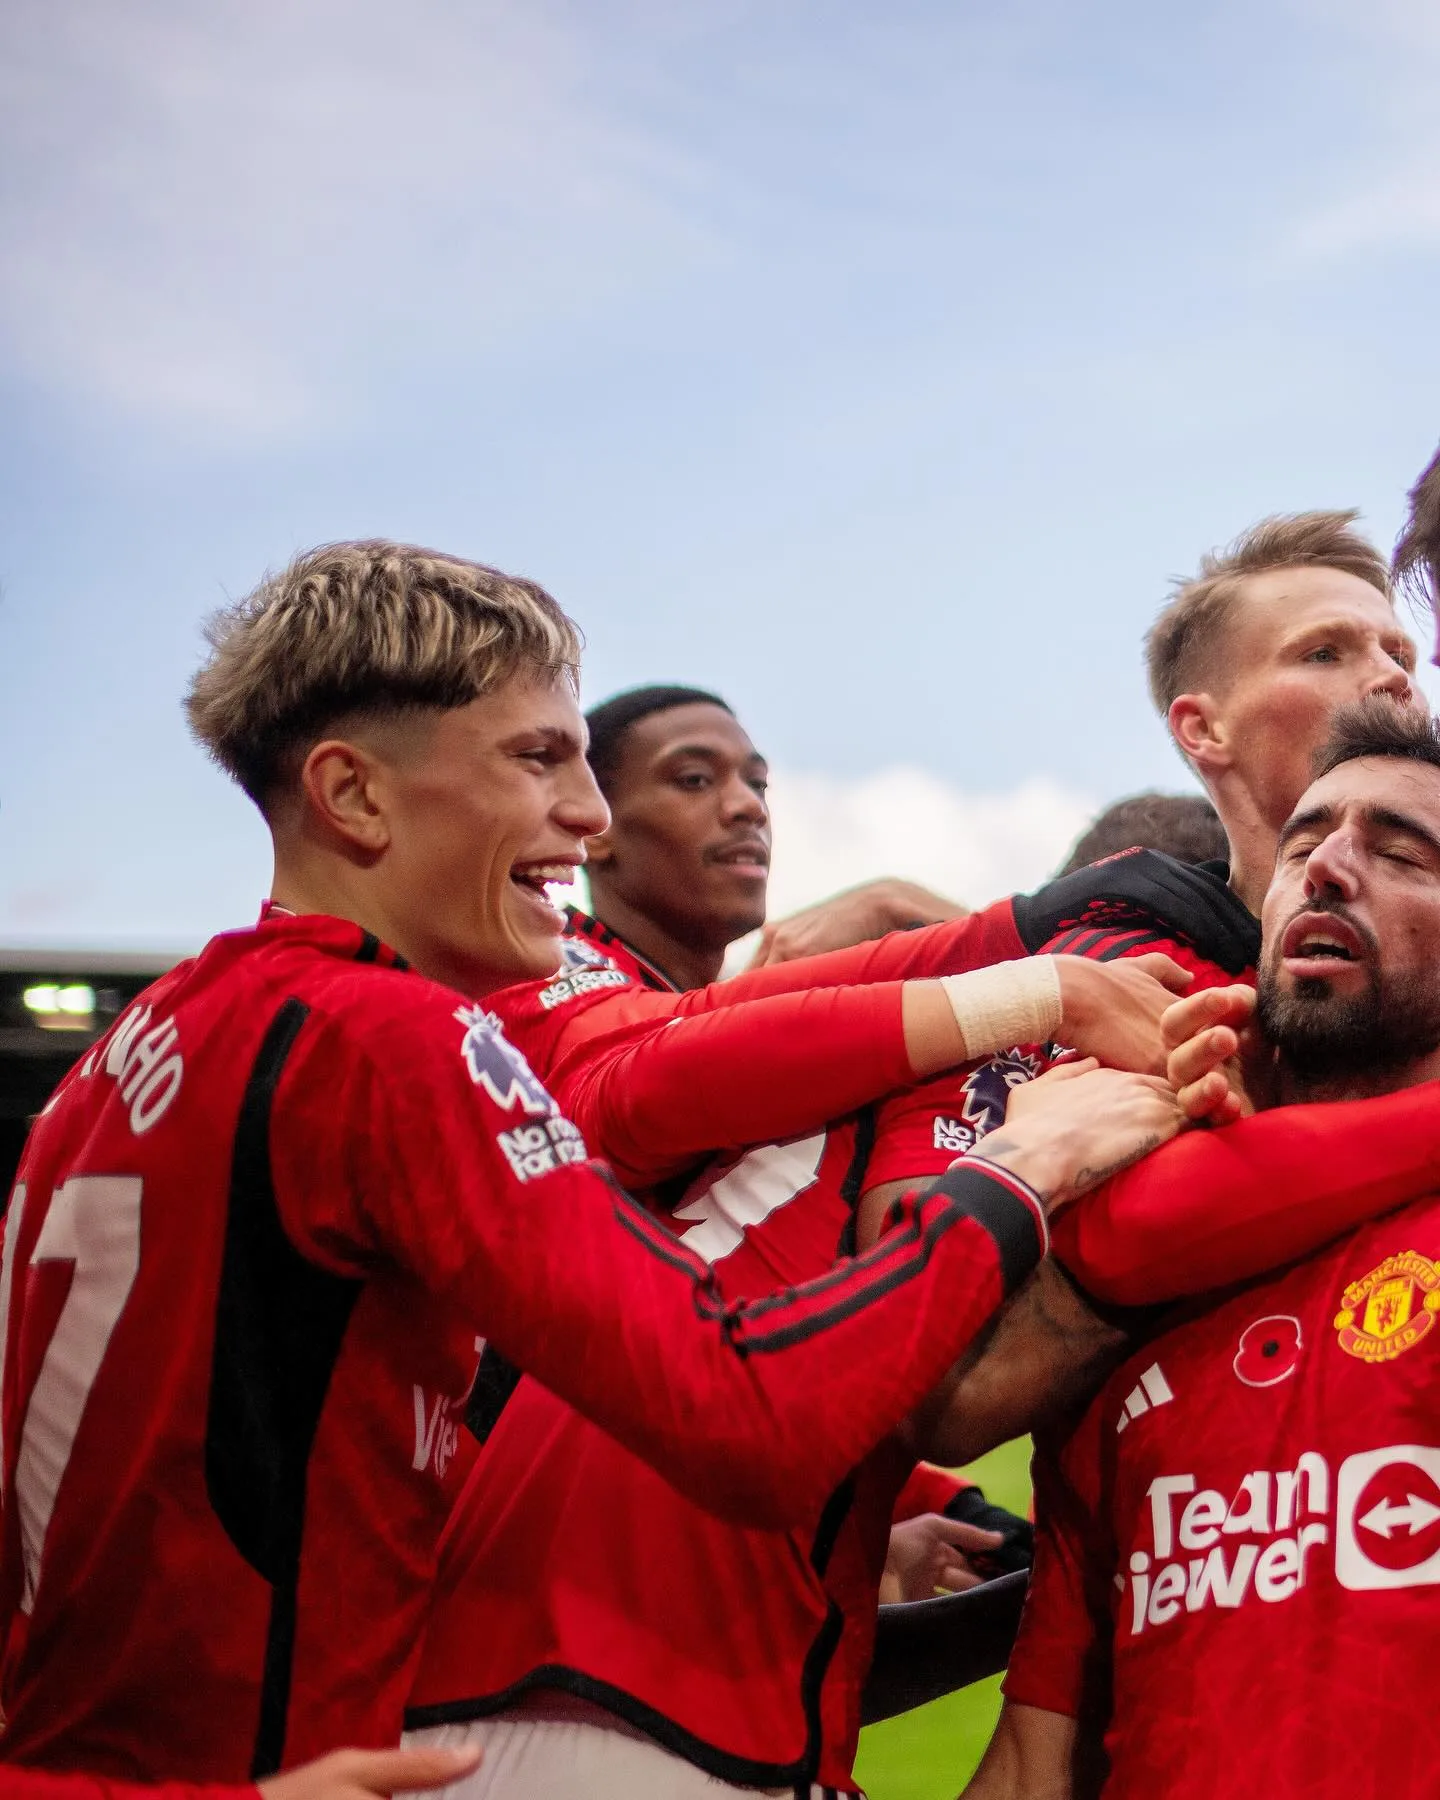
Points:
(1388, 1311)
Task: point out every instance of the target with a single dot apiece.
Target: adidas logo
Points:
(1152, 1389)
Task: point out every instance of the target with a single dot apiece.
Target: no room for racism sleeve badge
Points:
(1388, 1311)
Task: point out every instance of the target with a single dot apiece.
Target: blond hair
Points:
(1417, 555)
(1181, 644)
(363, 629)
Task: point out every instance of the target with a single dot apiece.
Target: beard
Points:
(1327, 1038)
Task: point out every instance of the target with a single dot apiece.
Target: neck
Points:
(1296, 1087)
(323, 885)
(687, 964)
(1253, 840)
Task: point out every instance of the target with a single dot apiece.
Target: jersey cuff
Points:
(1009, 1209)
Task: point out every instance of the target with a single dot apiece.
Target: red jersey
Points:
(1248, 1546)
(245, 1262)
(31, 1784)
(570, 1565)
(658, 1080)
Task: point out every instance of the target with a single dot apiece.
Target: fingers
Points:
(1199, 1055)
(1232, 1006)
(1066, 1069)
(1211, 1100)
(1165, 970)
(961, 1536)
(389, 1771)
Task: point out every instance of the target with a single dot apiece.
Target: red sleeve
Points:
(1215, 1207)
(460, 1169)
(656, 1079)
(752, 1074)
(950, 948)
(34, 1784)
(1059, 1656)
(928, 1489)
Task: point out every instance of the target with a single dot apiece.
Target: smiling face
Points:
(483, 805)
(1298, 644)
(688, 845)
(1350, 975)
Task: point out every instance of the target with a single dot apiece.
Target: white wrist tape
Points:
(1009, 1003)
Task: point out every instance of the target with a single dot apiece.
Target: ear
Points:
(1199, 732)
(342, 792)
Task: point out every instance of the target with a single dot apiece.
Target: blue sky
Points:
(878, 366)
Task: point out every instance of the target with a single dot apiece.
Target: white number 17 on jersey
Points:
(93, 1222)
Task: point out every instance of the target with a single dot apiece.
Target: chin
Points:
(532, 956)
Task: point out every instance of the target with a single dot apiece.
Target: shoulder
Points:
(1142, 891)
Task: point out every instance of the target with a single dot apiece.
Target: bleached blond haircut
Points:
(1182, 647)
(363, 630)
(1417, 555)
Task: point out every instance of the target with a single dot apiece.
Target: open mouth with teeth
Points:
(538, 878)
(1320, 945)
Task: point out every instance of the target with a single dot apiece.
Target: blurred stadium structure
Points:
(54, 1004)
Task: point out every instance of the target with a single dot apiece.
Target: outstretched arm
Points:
(652, 1101)
(1030, 1757)
(1221, 1206)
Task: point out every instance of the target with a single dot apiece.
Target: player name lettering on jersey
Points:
(533, 1150)
(581, 981)
(1380, 1510)
(145, 1061)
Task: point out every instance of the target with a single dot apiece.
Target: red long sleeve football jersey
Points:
(569, 1565)
(659, 1079)
(32, 1784)
(1237, 1562)
(252, 1243)
(1220, 1206)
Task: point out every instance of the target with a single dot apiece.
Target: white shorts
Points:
(550, 1747)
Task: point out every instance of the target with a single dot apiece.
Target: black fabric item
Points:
(1017, 1551)
(1145, 887)
(927, 1648)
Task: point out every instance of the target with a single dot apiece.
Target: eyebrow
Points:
(1293, 826)
(551, 734)
(1385, 817)
(1390, 820)
(711, 752)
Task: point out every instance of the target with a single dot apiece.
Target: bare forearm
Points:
(1047, 1352)
(1030, 1757)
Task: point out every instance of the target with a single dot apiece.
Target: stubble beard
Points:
(1333, 1046)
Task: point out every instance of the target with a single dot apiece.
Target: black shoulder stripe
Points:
(279, 1324)
(496, 1380)
(1128, 941)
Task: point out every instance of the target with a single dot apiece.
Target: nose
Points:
(1332, 867)
(1391, 679)
(740, 803)
(582, 809)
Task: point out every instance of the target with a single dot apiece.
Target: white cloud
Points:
(831, 833)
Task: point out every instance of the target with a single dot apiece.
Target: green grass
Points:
(930, 1754)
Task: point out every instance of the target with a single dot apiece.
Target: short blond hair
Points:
(1181, 644)
(371, 629)
(1417, 555)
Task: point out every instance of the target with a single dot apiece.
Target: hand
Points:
(1078, 1124)
(929, 1552)
(362, 1774)
(854, 917)
(1205, 1035)
(1112, 1010)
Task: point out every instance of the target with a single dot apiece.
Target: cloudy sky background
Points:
(878, 366)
